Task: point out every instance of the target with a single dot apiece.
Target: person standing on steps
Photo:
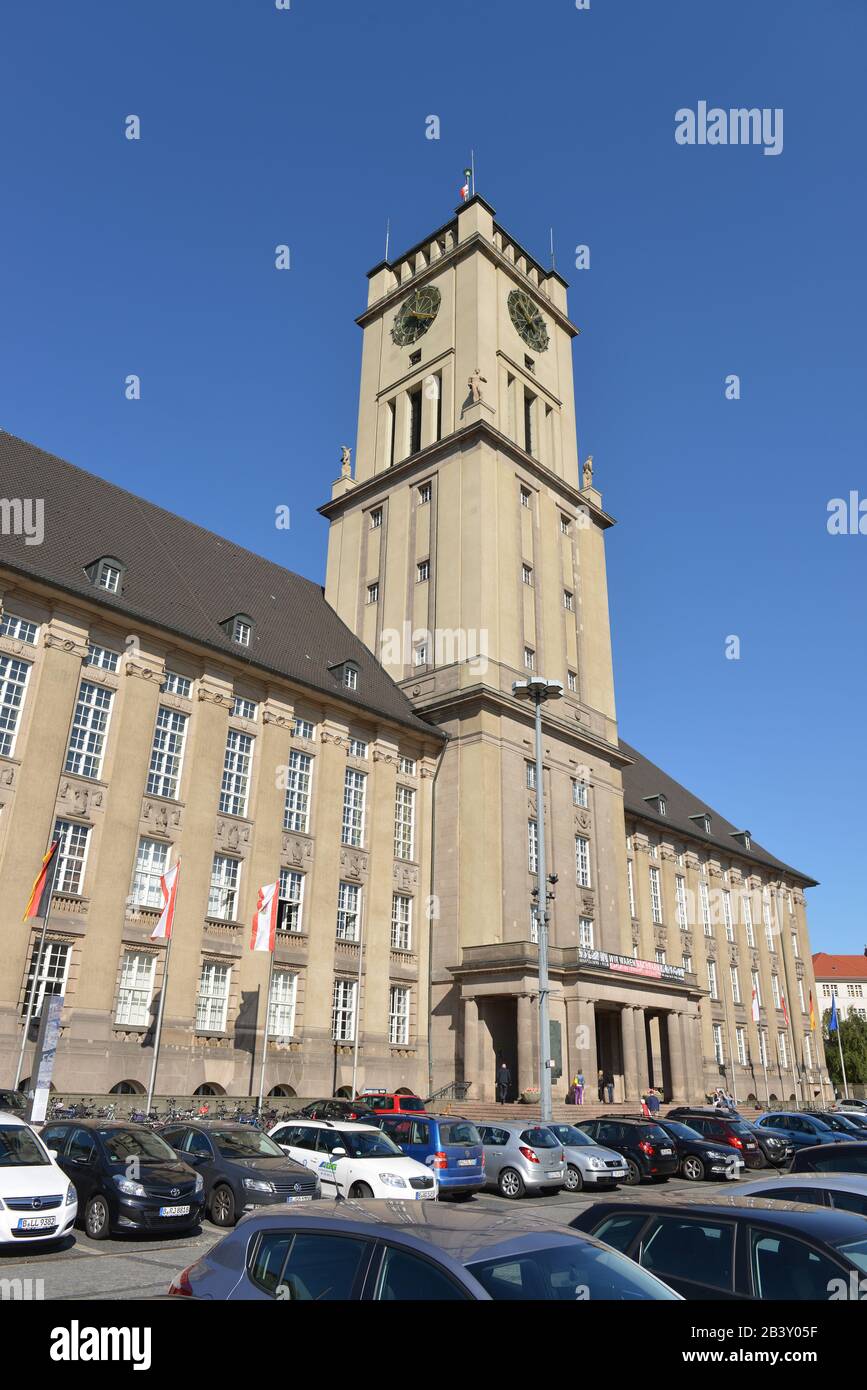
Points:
(504, 1081)
(600, 1082)
(608, 1087)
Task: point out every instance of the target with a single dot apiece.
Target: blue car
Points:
(451, 1146)
(798, 1129)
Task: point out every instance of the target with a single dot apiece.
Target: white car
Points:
(37, 1200)
(353, 1160)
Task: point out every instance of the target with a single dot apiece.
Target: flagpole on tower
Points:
(387, 235)
(472, 173)
(553, 257)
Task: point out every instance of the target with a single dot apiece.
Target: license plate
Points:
(556, 1173)
(305, 1198)
(618, 1172)
(37, 1223)
(426, 1195)
(174, 1211)
(467, 1163)
(665, 1151)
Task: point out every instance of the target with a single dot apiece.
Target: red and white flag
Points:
(169, 889)
(265, 919)
(755, 1007)
(785, 1010)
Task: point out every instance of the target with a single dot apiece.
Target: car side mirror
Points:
(338, 1153)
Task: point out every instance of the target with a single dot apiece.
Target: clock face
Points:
(528, 321)
(415, 315)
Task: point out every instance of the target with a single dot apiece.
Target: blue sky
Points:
(307, 127)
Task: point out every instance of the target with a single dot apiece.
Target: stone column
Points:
(527, 1023)
(585, 1047)
(471, 1046)
(641, 1049)
(630, 1064)
(675, 1053)
(690, 1063)
(656, 1052)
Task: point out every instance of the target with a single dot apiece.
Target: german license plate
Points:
(467, 1163)
(174, 1211)
(426, 1195)
(305, 1197)
(36, 1223)
(665, 1151)
(618, 1172)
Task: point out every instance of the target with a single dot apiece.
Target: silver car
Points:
(846, 1190)
(588, 1164)
(521, 1157)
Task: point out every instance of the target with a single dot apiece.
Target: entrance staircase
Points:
(488, 1112)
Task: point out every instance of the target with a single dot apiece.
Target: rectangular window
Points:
(348, 911)
(712, 980)
(748, 919)
(655, 895)
(19, 629)
(808, 1052)
(572, 681)
(376, 518)
(660, 956)
(585, 932)
(414, 420)
(630, 883)
(741, 1039)
(290, 900)
(173, 684)
(529, 439)
(151, 862)
(783, 1048)
(763, 1046)
(795, 948)
(422, 571)
(582, 860)
(533, 846)
(529, 659)
(357, 748)
(101, 657)
(718, 1049)
(392, 432)
(353, 807)
(531, 776)
(241, 632)
(89, 728)
(705, 908)
(223, 893)
(167, 754)
(407, 767)
(71, 856)
(569, 600)
(343, 1010)
(525, 497)
(13, 683)
(687, 964)
(404, 823)
(244, 709)
(579, 792)
(757, 988)
(373, 592)
(108, 577)
(303, 728)
(398, 1016)
(213, 999)
(281, 1004)
(736, 984)
(424, 493)
(727, 915)
(350, 677)
(768, 925)
(420, 657)
(237, 764)
(136, 989)
(51, 977)
(401, 922)
(802, 998)
(775, 991)
(680, 902)
(296, 811)
(527, 574)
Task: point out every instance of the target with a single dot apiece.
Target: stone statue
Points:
(588, 471)
(475, 384)
(345, 461)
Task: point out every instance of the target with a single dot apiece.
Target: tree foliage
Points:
(853, 1036)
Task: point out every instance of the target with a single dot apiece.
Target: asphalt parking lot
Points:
(130, 1267)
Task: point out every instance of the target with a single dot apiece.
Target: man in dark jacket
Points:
(504, 1081)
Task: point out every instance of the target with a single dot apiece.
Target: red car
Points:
(388, 1103)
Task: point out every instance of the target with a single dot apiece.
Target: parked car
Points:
(449, 1145)
(14, 1103)
(335, 1109)
(853, 1126)
(242, 1169)
(853, 1103)
(858, 1117)
(847, 1191)
(826, 1158)
(723, 1129)
(785, 1250)
(399, 1251)
(588, 1163)
(648, 1150)
(800, 1129)
(699, 1157)
(390, 1103)
(37, 1201)
(522, 1157)
(776, 1152)
(352, 1160)
(126, 1177)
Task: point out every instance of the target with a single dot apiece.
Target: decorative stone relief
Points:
(583, 820)
(405, 875)
(161, 818)
(143, 672)
(640, 842)
(283, 719)
(13, 646)
(7, 774)
(232, 835)
(380, 756)
(79, 800)
(296, 850)
(667, 852)
(691, 860)
(588, 904)
(353, 863)
(686, 943)
(636, 934)
(714, 869)
(66, 644)
(213, 694)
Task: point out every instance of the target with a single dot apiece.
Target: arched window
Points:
(127, 1088)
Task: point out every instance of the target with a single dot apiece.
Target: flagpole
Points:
(37, 969)
(159, 1028)
(357, 1011)
(842, 1063)
(267, 1017)
(472, 173)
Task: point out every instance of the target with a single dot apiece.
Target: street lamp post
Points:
(537, 690)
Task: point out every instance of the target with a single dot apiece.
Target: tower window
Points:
(424, 493)
(564, 525)
(529, 401)
(422, 571)
(529, 363)
(415, 420)
(525, 497)
(415, 358)
(529, 658)
(568, 600)
(420, 656)
(373, 592)
(572, 681)
(438, 399)
(527, 574)
(392, 432)
(376, 518)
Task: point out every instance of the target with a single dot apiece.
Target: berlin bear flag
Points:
(169, 889)
(265, 919)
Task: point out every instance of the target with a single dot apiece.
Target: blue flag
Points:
(832, 1021)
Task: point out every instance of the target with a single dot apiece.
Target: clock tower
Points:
(467, 551)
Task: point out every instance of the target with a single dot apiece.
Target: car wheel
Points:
(510, 1183)
(633, 1177)
(97, 1220)
(360, 1190)
(574, 1180)
(692, 1168)
(223, 1206)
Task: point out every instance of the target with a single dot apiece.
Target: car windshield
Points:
(681, 1131)
(369, 1143)
(568, 1134)
(19, 1148)
(568, 1272)
(245, 1142)
(856, 1251)
(122, 1144)
(13, 1101)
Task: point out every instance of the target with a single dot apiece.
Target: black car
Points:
(14, 1103)
(648, 1150)
(852, 1126)
(722, 1128)
(831, 1158)
(699, 1157)
(736, 1247)
(242, 1169)
(333, 1109)
(126, 1177)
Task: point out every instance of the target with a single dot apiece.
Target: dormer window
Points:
(106, 573)
(702, 821)
(346, 672)
(658, 803)
(743, 837)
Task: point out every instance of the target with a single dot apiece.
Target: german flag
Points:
(812, 1014)
(40, 894)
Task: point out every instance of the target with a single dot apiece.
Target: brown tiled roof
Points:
(826, 967)
(187, 580)
(645, 779)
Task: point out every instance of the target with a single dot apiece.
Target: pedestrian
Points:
(653, 1099)
(579, 1100)
(600, 1083)
(504, 1081)
(608, 1087)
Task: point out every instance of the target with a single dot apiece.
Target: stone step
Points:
(489, 1111)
